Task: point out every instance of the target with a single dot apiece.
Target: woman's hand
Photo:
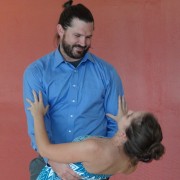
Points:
(37, 107)
(122, 109)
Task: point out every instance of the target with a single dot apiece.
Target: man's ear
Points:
(60, 30)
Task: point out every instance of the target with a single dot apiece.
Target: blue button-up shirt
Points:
(79, 98)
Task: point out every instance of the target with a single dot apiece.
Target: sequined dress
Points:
(47, 172)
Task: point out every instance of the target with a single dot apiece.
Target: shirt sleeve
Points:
(32, 80)
(113, 91)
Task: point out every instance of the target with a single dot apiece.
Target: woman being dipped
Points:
(137, 140)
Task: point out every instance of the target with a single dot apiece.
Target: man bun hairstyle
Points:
(68, 4)
(71, 12)
(144, 138)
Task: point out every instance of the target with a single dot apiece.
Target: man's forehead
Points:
(81, 28)
(77, 23)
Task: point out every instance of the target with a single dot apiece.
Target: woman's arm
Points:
(32, 80)
(64, 153)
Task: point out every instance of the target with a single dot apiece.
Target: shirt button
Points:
(75, 71)
(74, 85)
(69, 131)
(73, 101)
(71, 115)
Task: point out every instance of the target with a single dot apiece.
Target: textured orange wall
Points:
(141, 38)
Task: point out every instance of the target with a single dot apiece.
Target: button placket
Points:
(73, 99)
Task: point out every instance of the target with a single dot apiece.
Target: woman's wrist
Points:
(38, 116)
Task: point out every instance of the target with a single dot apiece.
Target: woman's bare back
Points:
(106, 158)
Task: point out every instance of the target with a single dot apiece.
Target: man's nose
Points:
(82, 41)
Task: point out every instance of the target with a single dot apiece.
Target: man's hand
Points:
(63, 171)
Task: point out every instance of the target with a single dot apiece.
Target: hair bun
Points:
(156, 150)
(68, 4)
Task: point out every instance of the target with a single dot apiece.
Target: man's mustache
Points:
(79, 46)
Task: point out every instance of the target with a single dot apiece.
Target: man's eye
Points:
(88, 37)
(77, 35)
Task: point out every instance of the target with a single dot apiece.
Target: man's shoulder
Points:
(42, 61)
(45, 58)
(100, 60)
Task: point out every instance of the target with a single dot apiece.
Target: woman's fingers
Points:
(124, 105)
(46, 109)
(35, 96)
(112, 116)
(120, 106)
(29, 101)
(120, 102)
(40, 97)
(122, 109)
(37, 105)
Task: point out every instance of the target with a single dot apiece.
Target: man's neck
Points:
(74, 62)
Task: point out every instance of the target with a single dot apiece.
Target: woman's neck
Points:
(118, 139)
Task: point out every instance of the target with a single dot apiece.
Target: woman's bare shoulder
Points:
(99, 148)
(93, 145)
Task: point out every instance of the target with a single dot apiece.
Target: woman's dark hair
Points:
(144, 138)
(70, 12)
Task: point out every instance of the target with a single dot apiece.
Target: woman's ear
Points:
(60, 30)
(123, 136)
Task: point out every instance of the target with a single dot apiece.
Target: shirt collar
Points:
(59, 58)
(88, 57)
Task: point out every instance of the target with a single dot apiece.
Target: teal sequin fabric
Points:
(47, 172)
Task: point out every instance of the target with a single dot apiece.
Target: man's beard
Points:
(69, 50)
